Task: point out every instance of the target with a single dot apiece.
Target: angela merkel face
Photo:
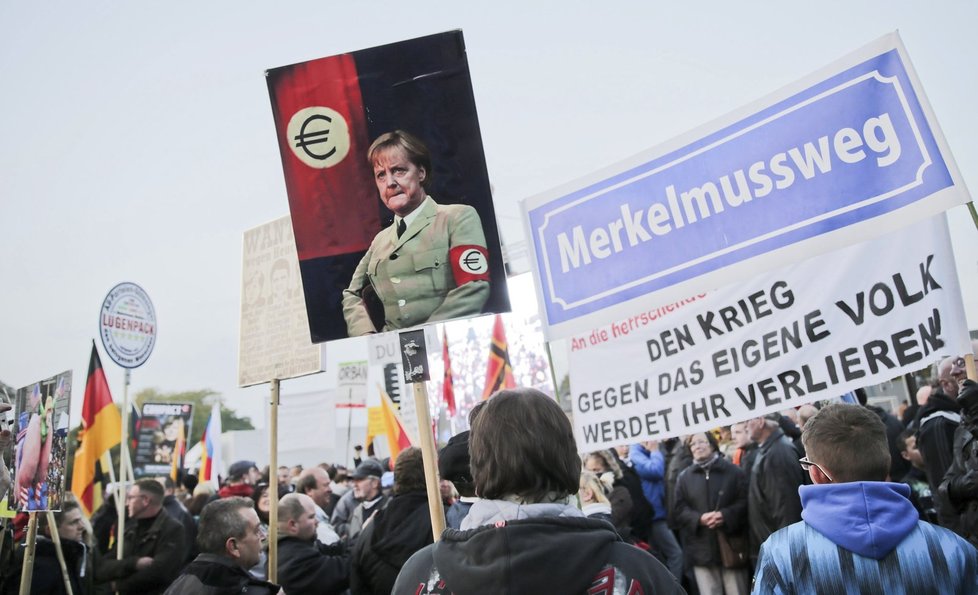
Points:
(399, 181)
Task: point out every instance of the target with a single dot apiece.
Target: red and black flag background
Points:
(328, 111)
(499, 372)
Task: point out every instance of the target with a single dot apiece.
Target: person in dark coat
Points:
(153, 545)
(935, 424)
(711, 496)
(772, 496)
(960, 485)
(396, 532)
(305, 566)
(79, 556)
(178, 511)
(620, 498)
(230, 541)
(898, 465)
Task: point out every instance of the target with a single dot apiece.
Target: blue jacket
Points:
(651, 468)
(864, 537)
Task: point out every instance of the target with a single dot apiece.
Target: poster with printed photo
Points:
(40, 444)
(388, 188)
(161, 438)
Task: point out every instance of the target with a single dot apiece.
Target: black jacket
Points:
(161, 539)
(772, 498)
(641, 512)
(959, 489)
(721, 486)
(308, 567)
(46, 577)
(395, 534)
(209, 574)
(537, 555)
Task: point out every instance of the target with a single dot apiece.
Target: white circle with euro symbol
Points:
(473, 261)
(319, 136)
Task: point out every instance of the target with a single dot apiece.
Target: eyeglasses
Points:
(806, 465)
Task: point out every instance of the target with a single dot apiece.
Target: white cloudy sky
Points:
(136, 139)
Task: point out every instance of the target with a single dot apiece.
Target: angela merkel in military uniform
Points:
(430, 264)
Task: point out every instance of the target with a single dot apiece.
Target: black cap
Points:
(453, 460)
(368, 468)
(240, 468)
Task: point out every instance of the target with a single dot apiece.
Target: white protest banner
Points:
(274, 329)
(351, 384)
(847, 154)
(811, 331)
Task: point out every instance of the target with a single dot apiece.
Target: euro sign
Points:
(314, 137)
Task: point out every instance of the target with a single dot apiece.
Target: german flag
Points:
(499, 373)
(101, 430)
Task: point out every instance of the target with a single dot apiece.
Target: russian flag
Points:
(210, 456)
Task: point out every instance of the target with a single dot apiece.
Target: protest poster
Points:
(40, 444)
(274, 330)
(161, 438)
(351, 392)
(846, 154)
(359, 277)
(810, 331)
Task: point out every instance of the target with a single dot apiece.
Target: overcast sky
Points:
(137, 142)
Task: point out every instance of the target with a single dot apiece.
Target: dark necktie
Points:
(401, 226)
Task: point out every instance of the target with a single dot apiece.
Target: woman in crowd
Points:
(262, 503)
(629, 519)
(711, 505)
(594, 499)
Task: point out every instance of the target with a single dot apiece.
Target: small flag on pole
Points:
(448, 385)
(210, 454)
(499, 373)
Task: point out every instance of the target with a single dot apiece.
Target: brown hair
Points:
(522, 444)
(409, 472)
(416, 151)
(849, 442)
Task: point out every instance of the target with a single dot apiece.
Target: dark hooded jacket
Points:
(305, 566)
(960, 486)
(395, 534)
(772, 497)
(210, 574)
(535, 548)
(935, 424)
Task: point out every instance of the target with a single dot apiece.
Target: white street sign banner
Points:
(351, 385)
(811, 331)
(847, 154)
(127, 325)
(274, 329)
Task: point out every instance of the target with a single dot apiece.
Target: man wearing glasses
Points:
(153, 548)
(860, 533)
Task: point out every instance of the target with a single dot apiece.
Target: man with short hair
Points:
(367, 489)
(314, 482)
(305, 566)
(242, 477)
(153, 545)
(773, 481)
(860, 533)
(920, 495)
(230, 542)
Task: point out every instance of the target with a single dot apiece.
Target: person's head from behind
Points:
(145, 499)
(229, 527)
(297, 517)
(402, 170)
(522, 445)
(409, 472)
(846, 443)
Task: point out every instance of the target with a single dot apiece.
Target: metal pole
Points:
(120, 527)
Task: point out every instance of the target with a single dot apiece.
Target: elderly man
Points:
(773, 480)
(230, 542)
(153, 546)
(305, 566)
(860, 533)
(366, 489)
(314, 482)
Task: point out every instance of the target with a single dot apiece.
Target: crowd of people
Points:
(830, 497)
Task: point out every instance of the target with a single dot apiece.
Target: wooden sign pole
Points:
(430, 457)
(27, 570)
(273, 484)
(56, 538)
